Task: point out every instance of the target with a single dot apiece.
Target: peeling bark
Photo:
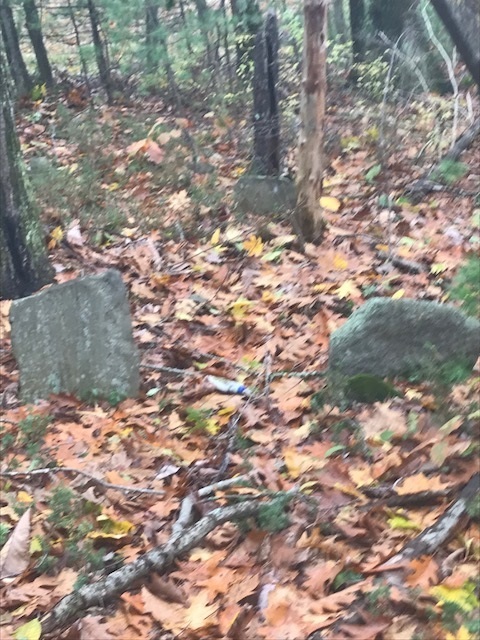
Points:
(312, 113)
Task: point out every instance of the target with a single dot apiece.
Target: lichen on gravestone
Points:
(76, 337)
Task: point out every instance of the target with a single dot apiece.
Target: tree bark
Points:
(18, 68)
(357, 27)
(466, 51)
(100, 55)
(266, 117)
(152, 26)
(24, 266)
(34, 28)
(312, 121)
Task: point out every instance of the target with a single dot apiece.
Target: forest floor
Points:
(215, 293)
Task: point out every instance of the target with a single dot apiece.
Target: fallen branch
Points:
(434, 536)
(425, 184)
(98, 481)
(158, 560)
(402, 263)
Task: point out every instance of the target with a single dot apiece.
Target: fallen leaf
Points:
(15, 555)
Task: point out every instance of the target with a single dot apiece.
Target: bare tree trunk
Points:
(24, 266)
(152, 27)
(339, 20)
(78, 42)
(466, 51)
(312, 120)
(357, 27)
(34, 28)
(266, 117)
(100, 54)
(18, 68)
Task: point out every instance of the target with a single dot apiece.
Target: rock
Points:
(265, 195)
(388, 337)
(76, 338)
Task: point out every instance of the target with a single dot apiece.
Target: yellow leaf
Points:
(462, 634)
(35, 545)
(308, 486)
(212, 427)
(215, 239)
(239, 308)
(339, 262)
(23, 496)
(29, 631)
(347, 290)
(253, 246)
(437, 268)
(463, 597)
(398, 294)
(400, 522)
(56, 237)
(112, 529)
(330, 203)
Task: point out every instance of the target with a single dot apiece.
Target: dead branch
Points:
(437, 534)
(157, 560)
(402, 263)
(97, 481)
(425, 184)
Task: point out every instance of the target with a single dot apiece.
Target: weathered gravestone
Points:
(76, 338)
(396, 337)
(265, 195)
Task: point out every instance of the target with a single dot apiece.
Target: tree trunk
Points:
(357, 27)
(338, 16)
(18, 68)
(100, 54)
(312, 120)
(266, 117)
(34, 28)
(152, 26)
(24, 266)
(466, 51)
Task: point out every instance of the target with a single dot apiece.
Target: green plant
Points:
(372, 76)
(4, 533)
(61, 503)
(197, 419)
(450, 171)
(273, 517)
(32, 430)
(466, 286)
(346, 578)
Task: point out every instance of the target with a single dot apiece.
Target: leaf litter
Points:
(239, 301)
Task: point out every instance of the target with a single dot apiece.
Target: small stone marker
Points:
(388, 337)
(265, 195)
(76, 338)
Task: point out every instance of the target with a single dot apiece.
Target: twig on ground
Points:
(158, 559)
(402, 263)
(389, 498)
(98, 481)
(437, 534)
